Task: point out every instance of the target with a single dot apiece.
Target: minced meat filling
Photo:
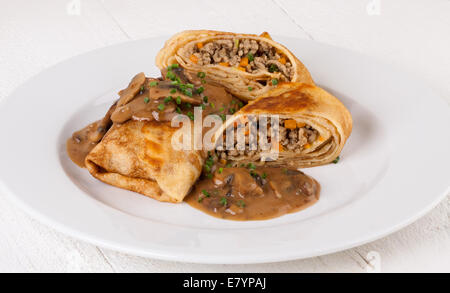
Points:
(295, 138)
(244, 54)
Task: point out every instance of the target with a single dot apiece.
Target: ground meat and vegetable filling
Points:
(243, 54)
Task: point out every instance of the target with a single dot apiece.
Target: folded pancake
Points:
(247, 65)
(313, 128)
(138, 156)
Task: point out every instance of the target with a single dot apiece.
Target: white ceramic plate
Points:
(393, 169)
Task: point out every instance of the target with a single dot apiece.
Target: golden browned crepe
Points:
(138, 156)
(319, 122)
(224, 58)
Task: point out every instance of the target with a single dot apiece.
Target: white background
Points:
(34, 35)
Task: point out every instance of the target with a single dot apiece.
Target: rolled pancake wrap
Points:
(138, 156)
(320, 123)
(191, 48)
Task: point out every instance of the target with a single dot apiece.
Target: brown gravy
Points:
(79, 145)
(153, 99)
(234, 193)
(255, 193)
(83, 141)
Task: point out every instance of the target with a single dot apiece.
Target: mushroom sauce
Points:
(246, 192)
(253, 193)
(155, 99)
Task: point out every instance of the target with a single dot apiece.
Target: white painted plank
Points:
(141, 18)
(413, 35)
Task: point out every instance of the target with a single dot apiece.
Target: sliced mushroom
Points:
(126, 95)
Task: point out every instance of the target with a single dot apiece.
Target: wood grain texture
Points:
(409, 34)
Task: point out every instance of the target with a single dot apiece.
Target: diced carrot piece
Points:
(280, 147)
(307, 146)
(265, 35)
(282, 60)
(193, 58)
(247, 131)
(290, 124)
(226, 64)
(199, 45)
(241, 68)
(301, 124)
(223, 161)
(321, 138)
(244, 62)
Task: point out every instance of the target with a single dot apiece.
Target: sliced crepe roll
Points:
(247, 65)
(138, 156)
(313, 128)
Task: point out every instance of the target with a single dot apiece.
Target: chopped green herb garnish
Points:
(203, 81)
(170, 75)
(209, 175)
(242, 165)
(274, 81)
(178, 110)
(200, 90)
(188, 93)
(175, 65)
(190, 115)
(223, 117)
(200, 199)
(206, 193)
(190, 85)
(188, 105)
(241, 203)
(231, 110)
(209, 161)
(212, 105)
(233, 102)
(203, 106)
(221, 109)
(178, 100)
(205, 99)
(220, 170)
(175, 82)
(229, 165)
(223, 201)
(201, 74)
(251, 166)
(167, 99)
(207, 168)
(161, 107)
(142, 88)
(236, 43)
(172, 91)
(153, 83)
(264, 175)
(250, 88)
(273, 68)
(146, 100)
(335, 161)
(250, 57)
(240, 104)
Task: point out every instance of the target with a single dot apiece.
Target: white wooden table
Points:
(34, 35)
